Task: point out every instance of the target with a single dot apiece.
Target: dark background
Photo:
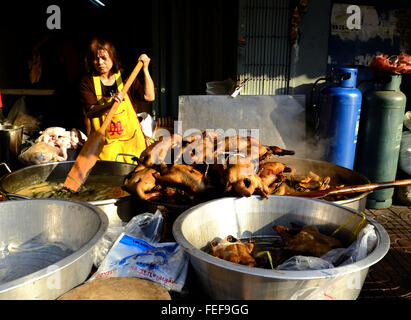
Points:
(195, 40)
(23, 26)
(190, 43)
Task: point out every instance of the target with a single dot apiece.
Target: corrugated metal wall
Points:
(194, 43)
(264, 56)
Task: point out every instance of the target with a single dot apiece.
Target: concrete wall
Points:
(309, 55)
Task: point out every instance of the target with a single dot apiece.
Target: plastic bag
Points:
(403, 193)
(40, 153)
(18, 115)
(407, 120)
(225, 87)
(18, 106)
(405, 152)
(102, 247)
(304, 263)
(359, 249)
(54, 144)
(405, 148)
(138, 253)
(147, 124)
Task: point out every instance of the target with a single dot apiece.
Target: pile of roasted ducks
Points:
(205, 166)
(305, 240)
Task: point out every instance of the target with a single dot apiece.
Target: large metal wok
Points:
(46, 246)
(252, 217)
(103, 172)
(339, 175)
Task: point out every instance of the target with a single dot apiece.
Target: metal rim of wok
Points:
(382, 247)
(70, 259)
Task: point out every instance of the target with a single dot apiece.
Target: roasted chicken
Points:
(211, 147)
(238, 168)
(206, 160)
(242, 178)
(307, 240)
(249, 185)
(183, 175)
(143, 183)
(233, 250)
(310, 182)
(198, 149)
(250, 147)
(161, 151)
(303, 183)
(271, 175)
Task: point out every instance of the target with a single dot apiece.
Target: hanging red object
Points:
(400, 64)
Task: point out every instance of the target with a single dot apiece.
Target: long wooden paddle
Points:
(91, 149)
(353, 189)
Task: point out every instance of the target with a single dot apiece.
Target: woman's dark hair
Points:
(97, 44)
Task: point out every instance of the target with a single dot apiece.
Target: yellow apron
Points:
(124, 134)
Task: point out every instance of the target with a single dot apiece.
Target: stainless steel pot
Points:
(11, 137)
(103, 172)
(339, 175)
(245, 217)
(53, 243)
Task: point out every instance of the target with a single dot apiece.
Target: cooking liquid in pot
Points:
(90, 191)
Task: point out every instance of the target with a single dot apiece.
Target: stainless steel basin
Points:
(46, 246)
(246, 217)
(111, 172)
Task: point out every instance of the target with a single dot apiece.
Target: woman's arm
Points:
(89, 101)
(148, 86)
(97, 110)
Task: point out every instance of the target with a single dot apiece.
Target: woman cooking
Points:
(98, 92)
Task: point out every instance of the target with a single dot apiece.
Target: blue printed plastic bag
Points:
(138, 253)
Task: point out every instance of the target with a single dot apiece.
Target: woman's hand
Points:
(118, 97)
(145, 60)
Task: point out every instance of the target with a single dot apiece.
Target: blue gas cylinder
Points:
(339, 116)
